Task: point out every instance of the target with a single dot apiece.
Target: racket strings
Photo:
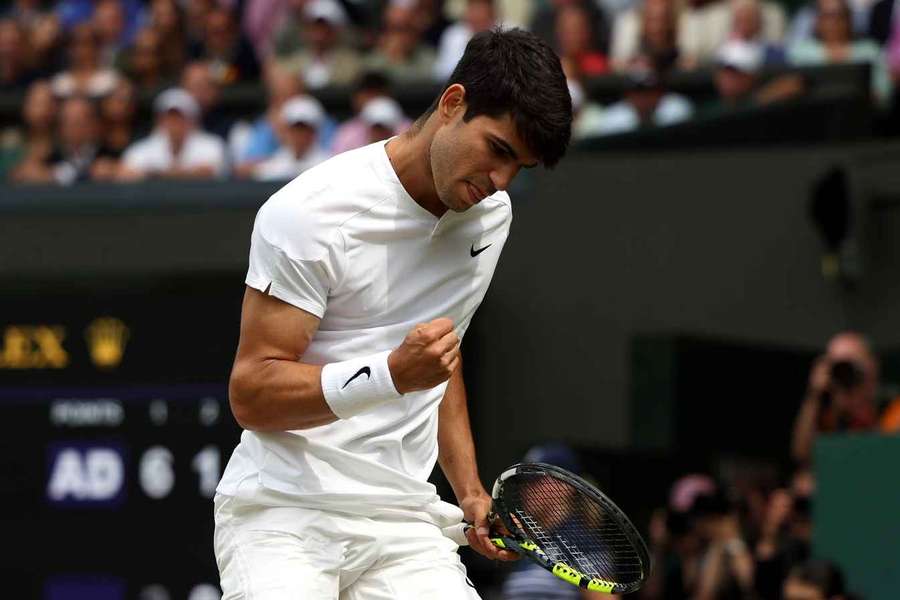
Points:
(572, 527)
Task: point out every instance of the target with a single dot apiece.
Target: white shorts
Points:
(292, 553)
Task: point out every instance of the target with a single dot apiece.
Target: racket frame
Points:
(519, 542)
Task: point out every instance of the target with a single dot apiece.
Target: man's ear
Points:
(452, 102)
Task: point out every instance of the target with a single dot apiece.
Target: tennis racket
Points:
(567, 526)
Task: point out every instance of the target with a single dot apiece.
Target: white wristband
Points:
(356, 385)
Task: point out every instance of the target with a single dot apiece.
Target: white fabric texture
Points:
(345, 242)
(154, 153)
(286, 553)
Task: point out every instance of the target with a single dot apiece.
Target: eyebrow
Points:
(508, 149)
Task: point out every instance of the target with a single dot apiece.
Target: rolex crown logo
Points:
(106, 338)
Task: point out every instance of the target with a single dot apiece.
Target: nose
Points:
(502, 176)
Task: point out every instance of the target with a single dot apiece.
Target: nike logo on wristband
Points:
(475, 252)
(364, 371)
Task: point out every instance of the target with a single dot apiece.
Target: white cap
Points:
(327, 10)
(303, 109)
(382, 111)
(741, 56)
(179, 100)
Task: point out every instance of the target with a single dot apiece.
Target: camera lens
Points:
(846, 375)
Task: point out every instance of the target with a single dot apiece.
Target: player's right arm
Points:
(270, 389)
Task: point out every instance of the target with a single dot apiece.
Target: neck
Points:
(410, 156)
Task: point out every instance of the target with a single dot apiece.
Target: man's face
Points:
(470, 161)
(175, 125)
(198, 81)
(77, 124)
(300, 138)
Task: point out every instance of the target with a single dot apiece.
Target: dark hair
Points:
(823, 574)
(516, 72)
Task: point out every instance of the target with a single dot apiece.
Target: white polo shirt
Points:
(154, 153)
(346, 242)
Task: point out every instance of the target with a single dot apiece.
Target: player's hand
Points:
(427, 357)
(476, 510)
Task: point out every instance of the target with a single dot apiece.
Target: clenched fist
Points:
(426, 358)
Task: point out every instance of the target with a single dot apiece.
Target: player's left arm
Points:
(456, 455)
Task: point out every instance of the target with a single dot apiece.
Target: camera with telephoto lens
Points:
(846, 375)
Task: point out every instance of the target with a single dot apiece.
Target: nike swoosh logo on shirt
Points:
(364, 371)
(475, 252)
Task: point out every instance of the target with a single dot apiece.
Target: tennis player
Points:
(365, 272)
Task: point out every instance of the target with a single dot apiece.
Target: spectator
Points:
(27, 13)
(30, 148)
(431, 21)
(195, 19)
(33, 152)
(118, 113)
(575, 44)
(747, 27)
(400, 52)
(727, 567)
(529, 581)
(545, 22)
(835, 44)
(80, 145)
(176, 148)
(85, 75)
(197, 79)
(230, 56)
(804, 23)
(144, 62)
(109, 24)
(15, 72)
(262, 138)
(354, 132)
(675, 541)
(587, 116)
(302, 117)
(649, 31)
(383, 118)
(706, 24)
(703, 28)
(479, 16)
(841, 394)
(167, 20)
(738, 82)
(647, 103)
(80, 12)
(815, 580)
(324, 61)
(287, 25)
(46, 45)
(78, 148)
(785, 535)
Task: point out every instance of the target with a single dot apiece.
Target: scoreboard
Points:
(115, 430)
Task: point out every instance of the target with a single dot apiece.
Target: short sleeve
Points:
(294, 255)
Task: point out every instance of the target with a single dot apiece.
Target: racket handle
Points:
(457, 533)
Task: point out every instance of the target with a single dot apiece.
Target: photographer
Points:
(841, 396)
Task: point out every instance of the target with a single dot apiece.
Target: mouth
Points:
(474, 193)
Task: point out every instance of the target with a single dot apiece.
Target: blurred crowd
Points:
(82, 66)
(746, 534)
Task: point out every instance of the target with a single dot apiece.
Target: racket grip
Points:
(457, 533)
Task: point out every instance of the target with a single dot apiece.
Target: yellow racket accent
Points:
(598, 585)
(498, 542)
